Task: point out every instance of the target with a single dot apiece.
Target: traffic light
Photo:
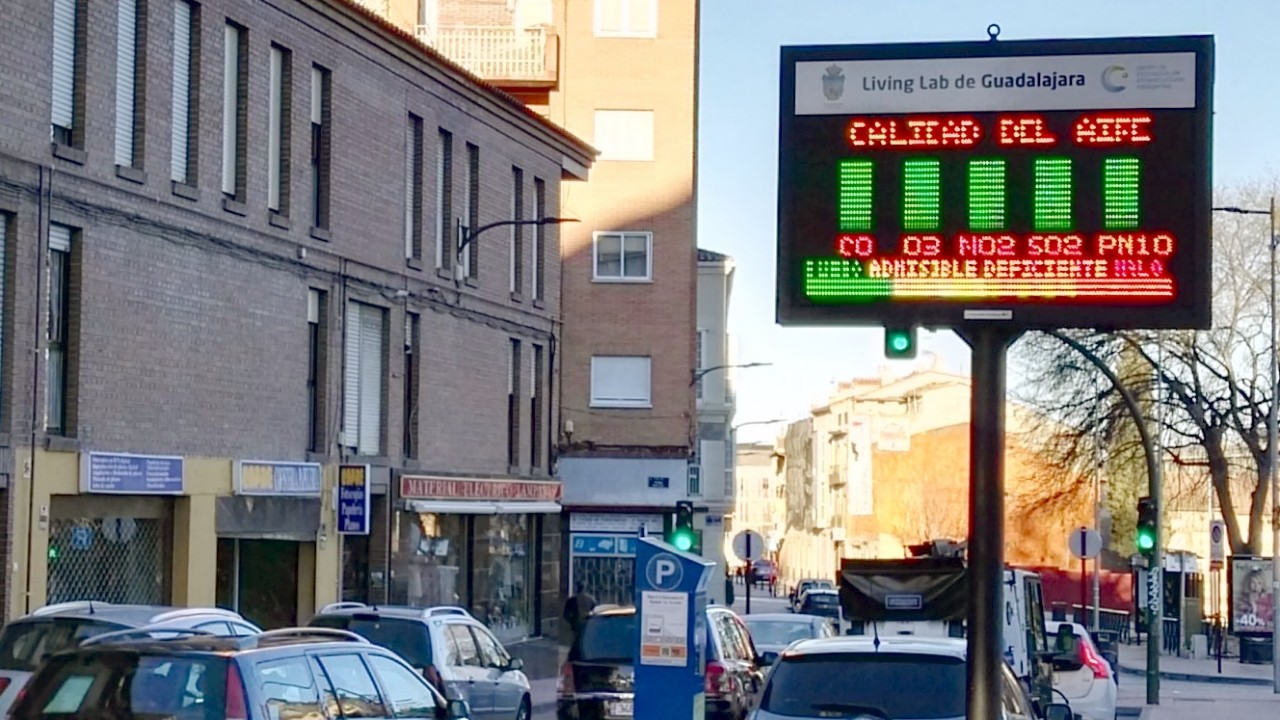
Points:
(899, 343)
(1145, 537)
(682, 534)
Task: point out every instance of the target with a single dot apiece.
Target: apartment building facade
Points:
(621, 74)
(759, 503)
(244, 361)
(711, 478)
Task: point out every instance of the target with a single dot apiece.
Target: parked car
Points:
(764, 572)
(24, 642)
(1081, 673)
(802, 586)
(889, 678)
(773, 632)
(598, 680)
(455, 652)
(822, 602)
(289, 673)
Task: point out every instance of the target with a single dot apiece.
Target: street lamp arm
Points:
(698, 374)
(468, 234)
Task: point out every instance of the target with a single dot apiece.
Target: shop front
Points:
(112, 541)
(488, 545)
(602, 552)
(267, 532)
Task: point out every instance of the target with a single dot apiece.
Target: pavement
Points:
(1195, 688)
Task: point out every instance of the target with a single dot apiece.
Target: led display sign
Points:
(1049, 184)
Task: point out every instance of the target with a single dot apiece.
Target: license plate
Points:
(618, 708)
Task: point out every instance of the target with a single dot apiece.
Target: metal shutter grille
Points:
(230, 113)
(126, 41)
(371, 333)
(181, 91)
(351, 377)
(64, 63)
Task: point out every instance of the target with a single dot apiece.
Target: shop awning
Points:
(529, 507)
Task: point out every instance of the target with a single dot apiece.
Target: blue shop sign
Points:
(125, 474)
(354, 496)
(260, 477)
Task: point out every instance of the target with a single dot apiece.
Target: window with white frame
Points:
(701, 359)
(279, 137)
(183, 125)
(620, 381)
(363, 378)
(131, 43)
(623, 256)
(68, 72)
(626, 18)
(235, 94)
(624, 134)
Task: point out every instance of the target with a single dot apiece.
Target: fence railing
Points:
(493, 53)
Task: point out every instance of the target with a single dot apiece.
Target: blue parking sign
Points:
(81, 537)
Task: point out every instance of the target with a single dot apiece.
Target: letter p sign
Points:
(664, 572)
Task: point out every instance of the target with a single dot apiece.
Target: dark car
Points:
(773, 632)
(289, 673)
(598, 680)
(823, 603)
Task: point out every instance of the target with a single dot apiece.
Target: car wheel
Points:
(522, 713)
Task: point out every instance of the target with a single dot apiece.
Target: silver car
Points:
(901, 679)
(454, 651)
(62, 626)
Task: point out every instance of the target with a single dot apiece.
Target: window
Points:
(353, 686)
(535, 411)
(513, 406)
(413, 189)
(279, 136)
(468, 653)
(623, 256)
(316, 363)
(700, 362)
(900, 685)
(287, 687)
(58, 335)
(412, 356)
(131, 60)
(235, 115)
(626, 18)
(184, 125)
(407, 693)
(539, 238)
(362, 402)
(471, 253)
(68, 72)
(491, 651)
(619, 381)
(517, 231)
(4, 255)
(624, 134)
(321, 82)
(445, 238)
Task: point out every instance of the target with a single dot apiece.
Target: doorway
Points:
(259, 579)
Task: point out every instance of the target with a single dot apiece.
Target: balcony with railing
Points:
(501, 55)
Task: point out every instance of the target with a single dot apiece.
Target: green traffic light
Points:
(1146, 541)
(899, 343)
(682, 540)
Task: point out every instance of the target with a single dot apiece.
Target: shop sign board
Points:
(424, 487)
(263, 477)
(354, 498)
(126, 474)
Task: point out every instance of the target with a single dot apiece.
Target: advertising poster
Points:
(1252, 603)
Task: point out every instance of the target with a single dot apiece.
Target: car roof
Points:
(914, 645)
(406, 612)
(136, 615)
(224, 645)
(821, 591)
(783, 617)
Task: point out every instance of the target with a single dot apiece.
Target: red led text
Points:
(1114, 128)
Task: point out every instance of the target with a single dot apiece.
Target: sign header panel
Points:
(1047, 184)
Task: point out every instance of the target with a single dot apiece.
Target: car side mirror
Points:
(514, 664)
(1058, 711)
(457, 710)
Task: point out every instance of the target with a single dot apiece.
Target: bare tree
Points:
(1207, 391)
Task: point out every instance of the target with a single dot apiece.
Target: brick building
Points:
(623, 75)
(233, 272)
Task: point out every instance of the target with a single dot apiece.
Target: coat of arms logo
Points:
(833, 83)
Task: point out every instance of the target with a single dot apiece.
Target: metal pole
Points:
(751, 570)
(1274, 371)
(1084, 582)
(986, 522)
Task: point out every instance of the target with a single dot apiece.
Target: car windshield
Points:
(894, 685)
(608, 638)
(406, 638)
(141, 686)
(24, 644)
(779, 632)
(822, 599)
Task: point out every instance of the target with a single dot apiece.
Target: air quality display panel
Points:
(1048, 184)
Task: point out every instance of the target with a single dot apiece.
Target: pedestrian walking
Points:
(577, 608)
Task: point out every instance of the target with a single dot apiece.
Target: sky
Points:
(738, 135)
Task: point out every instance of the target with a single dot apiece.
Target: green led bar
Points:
(855, 195)
(922, 194)
(986, 194)
(1053, 194)
(1120, 179)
